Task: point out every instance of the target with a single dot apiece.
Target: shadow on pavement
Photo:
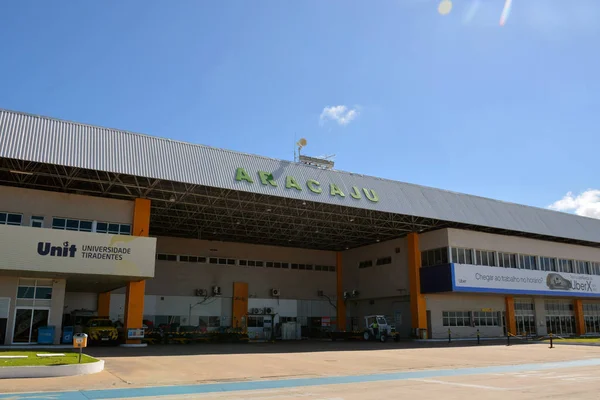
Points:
(305, 346)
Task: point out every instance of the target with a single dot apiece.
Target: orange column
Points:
(418, 305)
(141, 217)
(579, 318)
(103, 304)
(511, 322)
(134, 295)
(240, 305)
(134, 308)
(341, 305)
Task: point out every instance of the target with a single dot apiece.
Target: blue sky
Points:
(452, 101)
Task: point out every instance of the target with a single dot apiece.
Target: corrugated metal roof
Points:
(47, 140)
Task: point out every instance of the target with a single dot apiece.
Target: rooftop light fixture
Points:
(21, 172)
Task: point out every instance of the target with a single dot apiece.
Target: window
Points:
(364, 264)
(548, 264)
(384, 260)
(243, 263)
(507, 260)
(528, 262)
(166, 257)
(485, 318)
(462, 256)
(72, 224)
(595, 268)
(486, 258)
(456, 318)
(565, 266)
(214, 322)
(36, 222)
(113, 228)
(429, 258)
(582, 267)
(34, 289)
(255, 322)
(10, 218)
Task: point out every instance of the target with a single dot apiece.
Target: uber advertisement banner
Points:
(475, 278)
(52, 250)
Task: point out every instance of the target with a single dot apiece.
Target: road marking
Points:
(460, 384)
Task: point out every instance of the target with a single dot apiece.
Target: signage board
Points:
(476, 278)
(51, 250)
(135, 333)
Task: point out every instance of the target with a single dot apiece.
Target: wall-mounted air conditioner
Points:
(200, 292)
(216, 290)
(275, 292)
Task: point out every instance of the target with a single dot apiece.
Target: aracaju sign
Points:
(266, 179)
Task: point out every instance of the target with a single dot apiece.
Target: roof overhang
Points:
(202, 212)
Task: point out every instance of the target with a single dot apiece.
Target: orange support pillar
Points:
(240, 305)
(134, 308)
(579, 318)
(341, 304)
(141, 217)
(134, 295)
(103, 304)
(418, 305)
(511, 322)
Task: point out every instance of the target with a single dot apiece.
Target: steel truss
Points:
(192, 211)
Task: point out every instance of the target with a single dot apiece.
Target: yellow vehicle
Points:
(101, 330)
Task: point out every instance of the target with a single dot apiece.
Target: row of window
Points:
(68, 224)
(507, 260)
(471, 318)
(243, 263)
(379, 261)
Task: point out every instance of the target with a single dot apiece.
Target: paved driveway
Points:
(202, 364)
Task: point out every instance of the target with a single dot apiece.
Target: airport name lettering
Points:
(66, 250)
(267, 179)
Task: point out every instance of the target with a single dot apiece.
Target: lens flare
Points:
(445, 7)
(505, 12)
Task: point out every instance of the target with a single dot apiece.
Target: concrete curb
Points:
(51, 371)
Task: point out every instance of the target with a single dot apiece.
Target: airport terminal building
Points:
(140, 228)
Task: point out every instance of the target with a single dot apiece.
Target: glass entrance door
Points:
(525, 316)
(27, 323)
(560, 317)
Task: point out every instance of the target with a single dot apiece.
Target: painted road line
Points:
(289, 383)
(467, 385)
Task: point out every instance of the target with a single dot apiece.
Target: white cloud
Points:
(586, 203)
(340, 114)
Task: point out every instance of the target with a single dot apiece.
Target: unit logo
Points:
(66, 250)
(558, 282)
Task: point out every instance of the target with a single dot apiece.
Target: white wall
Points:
(80, 300)
(459, 302)
(513, 244)
(54, 204)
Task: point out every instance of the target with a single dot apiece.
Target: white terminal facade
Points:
(141, 229)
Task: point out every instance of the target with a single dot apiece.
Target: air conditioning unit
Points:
(320, 293)
(256, 311)
(268, 310)
(346, 295)
(200, 292)
(355, 293)
(275, 292)
(216, 290)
